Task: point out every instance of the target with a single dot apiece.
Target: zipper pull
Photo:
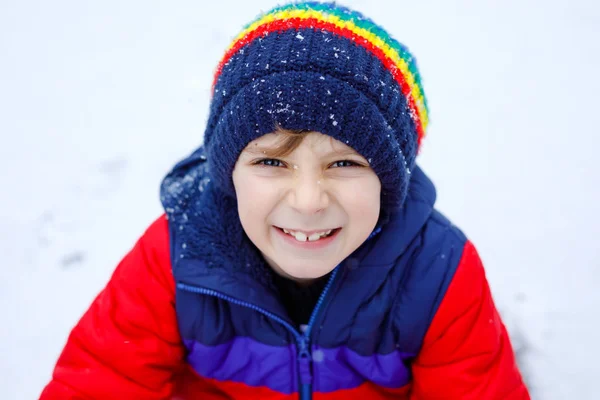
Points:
(304, 360)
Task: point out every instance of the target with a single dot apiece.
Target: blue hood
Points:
(209, 247)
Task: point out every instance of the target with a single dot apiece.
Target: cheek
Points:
(254, 198)
(362, 197)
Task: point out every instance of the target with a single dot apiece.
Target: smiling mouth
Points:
(312, 237)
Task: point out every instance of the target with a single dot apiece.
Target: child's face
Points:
(323, 186)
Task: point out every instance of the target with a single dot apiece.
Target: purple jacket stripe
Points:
(342, 368)
(247, 361)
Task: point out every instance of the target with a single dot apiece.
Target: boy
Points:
(301, 255)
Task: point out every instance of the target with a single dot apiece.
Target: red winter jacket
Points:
(127, 345)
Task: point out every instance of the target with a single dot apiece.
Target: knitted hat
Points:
(319, 67)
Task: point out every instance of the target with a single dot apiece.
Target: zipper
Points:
(302, 339)
(304, 357)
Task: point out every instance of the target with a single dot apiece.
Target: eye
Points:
(345, 164)
(269, 162)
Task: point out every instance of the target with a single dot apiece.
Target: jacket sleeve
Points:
(127, 344)
(466, 352)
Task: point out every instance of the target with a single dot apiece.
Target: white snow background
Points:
(98, 99)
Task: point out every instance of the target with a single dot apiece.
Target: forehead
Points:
(315, 141)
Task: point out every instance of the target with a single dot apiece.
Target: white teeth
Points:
(314, 237)
(301, 237)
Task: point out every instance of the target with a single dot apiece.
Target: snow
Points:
(99, 99)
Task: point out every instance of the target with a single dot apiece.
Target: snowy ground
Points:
(99, 99)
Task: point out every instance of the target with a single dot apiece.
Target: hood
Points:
(210, 249)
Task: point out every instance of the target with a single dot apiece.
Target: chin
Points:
(306, 272)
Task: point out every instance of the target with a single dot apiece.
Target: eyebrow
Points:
(258, 150)
(267, 151)
(349, 152)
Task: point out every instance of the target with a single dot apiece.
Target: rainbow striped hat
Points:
(326, 68)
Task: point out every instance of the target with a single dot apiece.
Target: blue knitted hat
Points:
(319, 67)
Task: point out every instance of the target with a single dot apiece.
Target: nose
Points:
(308, 194)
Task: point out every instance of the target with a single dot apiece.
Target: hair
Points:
(289, 141)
